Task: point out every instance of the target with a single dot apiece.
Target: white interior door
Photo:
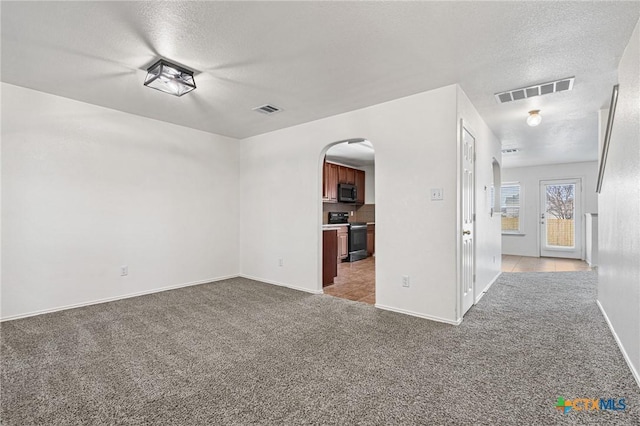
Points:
(561, 218)
(468, 218)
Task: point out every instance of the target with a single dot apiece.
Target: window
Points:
(510, 201)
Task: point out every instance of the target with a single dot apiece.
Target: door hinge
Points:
(473, 217)
(474, 278)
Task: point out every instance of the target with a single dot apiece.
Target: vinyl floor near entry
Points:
(542, 264)
(355, 281)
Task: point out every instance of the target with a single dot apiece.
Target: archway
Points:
(347, 205)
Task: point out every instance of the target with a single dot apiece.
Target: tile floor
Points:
(355, 281)
(542, 264)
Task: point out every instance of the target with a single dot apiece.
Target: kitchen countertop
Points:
(327, 226)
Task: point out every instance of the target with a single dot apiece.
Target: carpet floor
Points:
(242, 352)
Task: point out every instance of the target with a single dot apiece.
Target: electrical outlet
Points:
(436, 194)
(124, 270)
(280, 262)
(405, 281)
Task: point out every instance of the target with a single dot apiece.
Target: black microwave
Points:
(347, 193)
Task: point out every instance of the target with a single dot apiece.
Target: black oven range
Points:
(357, 235)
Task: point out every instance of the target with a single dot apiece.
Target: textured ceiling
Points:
(317, 59)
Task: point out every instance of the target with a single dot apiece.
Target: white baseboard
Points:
(415, 314)
(111, 299)
(634, 372)
(293, 287)
(486, 289)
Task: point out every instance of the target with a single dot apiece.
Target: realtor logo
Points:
(562, 405)
(590, 404)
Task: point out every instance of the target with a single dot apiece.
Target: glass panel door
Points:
(560, 219)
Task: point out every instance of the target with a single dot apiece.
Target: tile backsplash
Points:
(364, 213)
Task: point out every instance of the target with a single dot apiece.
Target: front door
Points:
(468, 213)
(561, 218)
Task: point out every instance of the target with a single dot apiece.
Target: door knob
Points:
(466, 232)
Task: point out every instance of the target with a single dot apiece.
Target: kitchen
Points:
(348, 221)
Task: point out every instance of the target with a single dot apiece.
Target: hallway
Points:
(512, 263)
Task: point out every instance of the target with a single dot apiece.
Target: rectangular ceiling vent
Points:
(537, 90)
(510, 150)
(267, 109)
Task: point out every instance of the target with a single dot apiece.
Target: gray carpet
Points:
(241, 352)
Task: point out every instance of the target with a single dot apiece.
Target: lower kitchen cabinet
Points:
(371, 239)
(329, 256)
(343, 243)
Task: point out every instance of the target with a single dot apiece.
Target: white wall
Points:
(86, 189)
(369, 184)
(487, 227)
(415, 141)
(529, 178)
(619, 203)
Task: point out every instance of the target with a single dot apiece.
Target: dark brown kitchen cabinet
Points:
(329, 256)
(333, 174)
(330, 183)
(371, 239)
(342, 174)
(359, 179)
(346, 175)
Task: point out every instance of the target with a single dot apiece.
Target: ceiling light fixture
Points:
(170, 78)
(534, 118)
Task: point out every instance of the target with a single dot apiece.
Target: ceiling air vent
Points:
(510, 150)
(267, 109)
(537, 90)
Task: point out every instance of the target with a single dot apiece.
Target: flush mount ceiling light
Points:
(170, 78)
(534, 118)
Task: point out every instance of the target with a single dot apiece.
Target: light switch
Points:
(436, 194)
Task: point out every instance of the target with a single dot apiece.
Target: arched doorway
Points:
(348, 220)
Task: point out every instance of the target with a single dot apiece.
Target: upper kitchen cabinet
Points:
(346, 175)
(334, 174)
(359, 179)
(330, 183)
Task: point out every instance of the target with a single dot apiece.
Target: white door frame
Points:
(578, 251)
